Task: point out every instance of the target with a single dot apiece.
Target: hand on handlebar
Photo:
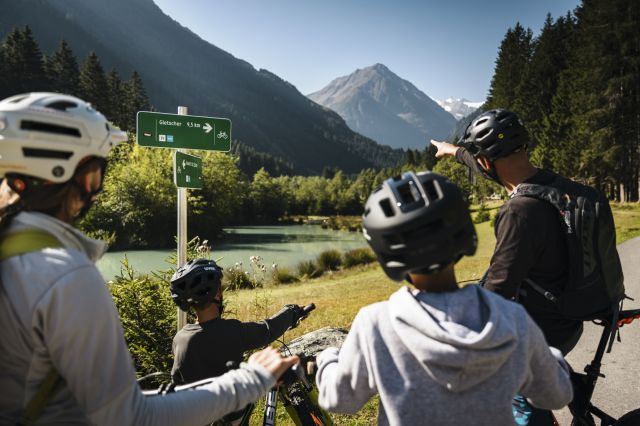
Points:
(273, 361)
(299, 313)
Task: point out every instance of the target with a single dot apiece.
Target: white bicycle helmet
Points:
(46, 135)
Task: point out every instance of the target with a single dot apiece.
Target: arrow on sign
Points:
(207, 127)
(183, 162)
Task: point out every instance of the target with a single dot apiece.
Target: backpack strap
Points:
(547, 294)
(15, 244)
(51, 384)
(26, 241)
(548, 193)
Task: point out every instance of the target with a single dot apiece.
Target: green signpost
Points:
(177, 131)
(187, 170)
(181, 131)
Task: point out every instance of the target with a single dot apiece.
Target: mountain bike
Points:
(296, 391)
(582, 409)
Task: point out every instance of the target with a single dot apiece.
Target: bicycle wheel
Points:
(632, 418)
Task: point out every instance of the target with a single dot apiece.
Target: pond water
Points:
(285, 245)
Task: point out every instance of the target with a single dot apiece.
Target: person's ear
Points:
(89, 179)
(484, 163)
(219, 293)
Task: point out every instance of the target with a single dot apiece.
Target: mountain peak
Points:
(377, 103)
(459, 107)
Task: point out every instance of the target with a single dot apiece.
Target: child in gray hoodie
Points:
(437, 354)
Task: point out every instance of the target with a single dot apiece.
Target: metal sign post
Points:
(181, 132)
(182, 230)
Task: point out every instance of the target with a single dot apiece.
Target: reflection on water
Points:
(283, 245)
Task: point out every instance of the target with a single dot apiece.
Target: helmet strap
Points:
(491, 174)
(88, 197)
(220, 305)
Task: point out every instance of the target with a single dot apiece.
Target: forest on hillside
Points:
(576, 86)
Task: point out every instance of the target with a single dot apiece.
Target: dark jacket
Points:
(530, 244)
(203, 350)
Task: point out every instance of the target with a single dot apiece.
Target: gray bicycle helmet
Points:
(196, 283)
(495, 134)
(418, 223)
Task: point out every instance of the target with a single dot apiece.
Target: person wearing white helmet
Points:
(63, 357)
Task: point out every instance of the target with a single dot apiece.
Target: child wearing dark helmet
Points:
(203, 349)
(436, 353)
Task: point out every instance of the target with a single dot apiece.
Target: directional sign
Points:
(187, 170)
(183, 131)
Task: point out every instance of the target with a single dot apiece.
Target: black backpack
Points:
(595, 284)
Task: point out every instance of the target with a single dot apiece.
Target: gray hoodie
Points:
(55, 310)
(443, 358)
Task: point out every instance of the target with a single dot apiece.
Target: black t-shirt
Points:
(203, 350)
(530, 243)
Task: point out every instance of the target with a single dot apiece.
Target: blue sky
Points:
(445, 48)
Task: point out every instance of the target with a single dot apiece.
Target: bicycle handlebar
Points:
(307, 309)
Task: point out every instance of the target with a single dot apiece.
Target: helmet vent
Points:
(385, 205)
(483, 133)
(408, 193)
(39, 126)
(46, 153)
(17, 99)
(432, 191)
(62, 105)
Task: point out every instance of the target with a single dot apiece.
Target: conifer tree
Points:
(622, 93)
(513, 56)
(115, 95)
(23, 63)
(540, 79)
(135, 99)
(4, 82)
(63, 70)
(93, 83)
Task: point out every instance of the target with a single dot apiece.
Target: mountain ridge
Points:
(180, 68)
(379, 104)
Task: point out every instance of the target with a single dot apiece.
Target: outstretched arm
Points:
(261, 333)
(444, 148)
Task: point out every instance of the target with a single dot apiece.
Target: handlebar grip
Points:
(310, 307)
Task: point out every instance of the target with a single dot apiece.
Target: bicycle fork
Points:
(270, 408)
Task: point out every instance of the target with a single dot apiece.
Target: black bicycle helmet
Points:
(495, 134)
(195, 283)
(418, 223)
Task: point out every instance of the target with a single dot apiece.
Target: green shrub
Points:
(148, 317)
(235, 278)
(329, 260)
(360, 256)
(309, 269)
(482, 215)
(283, 276)
(492, 220)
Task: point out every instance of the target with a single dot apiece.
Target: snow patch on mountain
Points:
(459, 107)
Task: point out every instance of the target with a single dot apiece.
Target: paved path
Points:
(619, 392)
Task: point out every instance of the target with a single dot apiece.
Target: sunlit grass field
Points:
(339, 295)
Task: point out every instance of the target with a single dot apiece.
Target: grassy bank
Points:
(339, 295)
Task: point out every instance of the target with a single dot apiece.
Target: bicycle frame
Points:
(300, 399)
(584, 384)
